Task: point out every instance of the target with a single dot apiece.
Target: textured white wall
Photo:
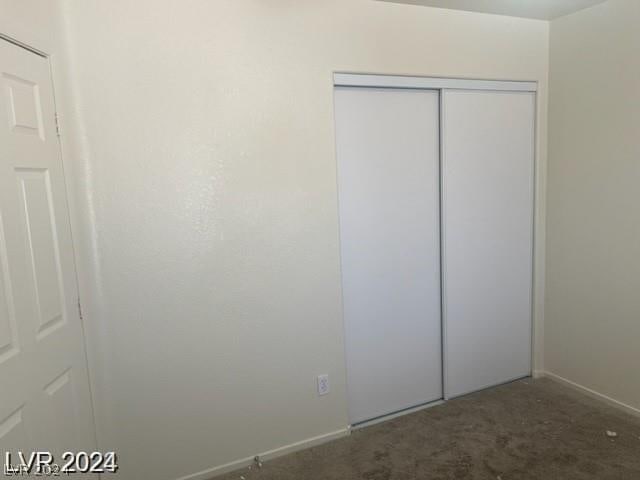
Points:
(592, 324)
(207, 212)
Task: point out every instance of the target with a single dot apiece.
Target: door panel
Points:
(46, 403)
(388, 182)
(43, 257)
(487, 162)
(8, 330)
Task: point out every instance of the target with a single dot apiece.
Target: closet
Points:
(435, 192)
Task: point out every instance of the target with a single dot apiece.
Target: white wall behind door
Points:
(212, 194)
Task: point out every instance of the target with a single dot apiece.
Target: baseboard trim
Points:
(268, 455)
(593, 394)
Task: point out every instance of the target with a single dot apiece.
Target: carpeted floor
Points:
(524, 430)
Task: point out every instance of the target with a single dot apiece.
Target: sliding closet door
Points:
(487, 200)
(388, 182)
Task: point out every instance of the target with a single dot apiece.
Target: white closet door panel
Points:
(487, 200)
(388, 176)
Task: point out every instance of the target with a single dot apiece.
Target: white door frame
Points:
(350, 79)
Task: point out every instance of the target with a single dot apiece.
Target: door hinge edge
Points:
(55, 116)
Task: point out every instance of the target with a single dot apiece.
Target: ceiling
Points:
(541, 9)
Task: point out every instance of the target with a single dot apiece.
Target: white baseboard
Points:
(268, 455)
(593, 394)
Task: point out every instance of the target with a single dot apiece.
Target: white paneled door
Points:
(487, 212)
(44, 390)
(388, 182)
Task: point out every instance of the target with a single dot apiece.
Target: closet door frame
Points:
(442, 84)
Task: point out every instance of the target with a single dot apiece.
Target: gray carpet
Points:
(524, 430)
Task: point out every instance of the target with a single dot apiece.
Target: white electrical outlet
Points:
(323, 384)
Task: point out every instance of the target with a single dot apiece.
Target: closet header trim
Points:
(434, 83)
